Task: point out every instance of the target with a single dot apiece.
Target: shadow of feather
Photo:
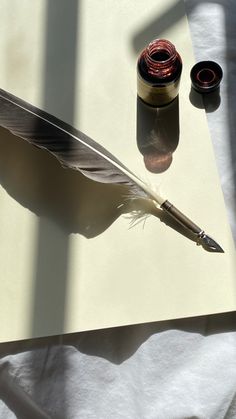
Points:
(37, 181)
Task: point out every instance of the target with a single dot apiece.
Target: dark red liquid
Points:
(160, 62)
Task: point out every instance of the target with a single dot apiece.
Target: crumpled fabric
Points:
(165, 370)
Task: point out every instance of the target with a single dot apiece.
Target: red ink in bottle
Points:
(159, 70)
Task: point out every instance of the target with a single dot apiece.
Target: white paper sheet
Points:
(56, 280)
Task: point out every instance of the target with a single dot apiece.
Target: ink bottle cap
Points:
(158, 71)
(206, 76)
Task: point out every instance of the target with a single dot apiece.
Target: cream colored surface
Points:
(54, 282)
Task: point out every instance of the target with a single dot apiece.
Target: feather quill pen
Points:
(76, 151)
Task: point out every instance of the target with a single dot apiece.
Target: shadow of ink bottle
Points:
(159, 70)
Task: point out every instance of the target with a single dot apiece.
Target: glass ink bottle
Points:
(159, 70)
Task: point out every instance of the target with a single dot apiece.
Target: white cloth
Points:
(166, 370)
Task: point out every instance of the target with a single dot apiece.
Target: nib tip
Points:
(210, 244)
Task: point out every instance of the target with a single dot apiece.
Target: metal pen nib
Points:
(209, 243)
(201, 237)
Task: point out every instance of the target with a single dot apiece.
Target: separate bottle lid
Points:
(206, 76)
